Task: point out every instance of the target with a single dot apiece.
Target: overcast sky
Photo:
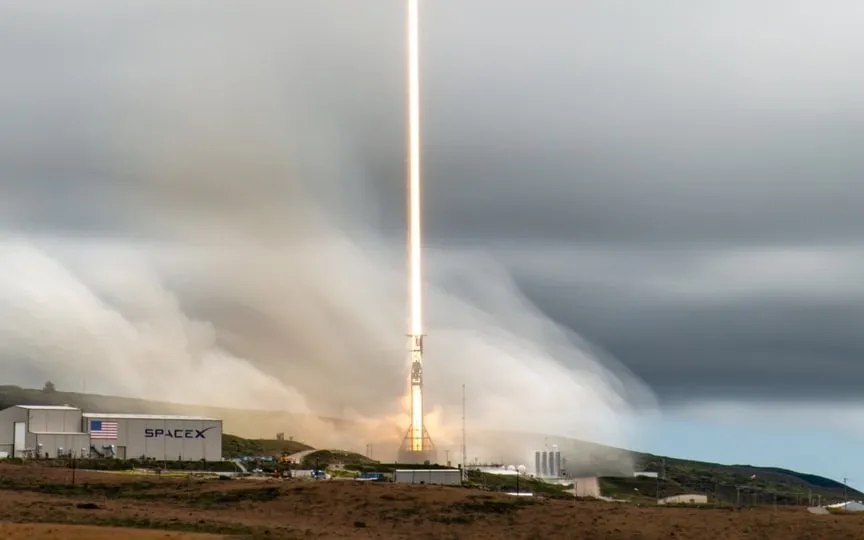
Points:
(675, 182)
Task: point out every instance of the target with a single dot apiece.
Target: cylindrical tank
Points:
(537, 469)
(557, 464)
(544, 464)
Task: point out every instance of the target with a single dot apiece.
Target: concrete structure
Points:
(42, 431)
(444, 477)
(689, 498)
(161, 437)
(587, 487)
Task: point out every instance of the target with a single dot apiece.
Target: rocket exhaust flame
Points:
(417, 440)
(414, 168)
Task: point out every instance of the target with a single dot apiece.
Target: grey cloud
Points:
(787, 331)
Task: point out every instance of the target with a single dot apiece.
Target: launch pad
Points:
(417, 446)
(426, 452)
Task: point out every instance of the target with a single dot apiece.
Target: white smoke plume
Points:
(238, 261)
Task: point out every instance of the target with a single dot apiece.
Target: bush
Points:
(130, 464)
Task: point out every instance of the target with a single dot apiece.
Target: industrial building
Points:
(42, 431)
(32, 431)
(162, 437)
(443, 477)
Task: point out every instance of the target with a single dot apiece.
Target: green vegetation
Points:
(131, 464)
(492, 506)
(326, 458)
(187, 493)
(374, 466)
(235, 447)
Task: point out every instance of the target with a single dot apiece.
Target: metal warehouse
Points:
(42, 431)
(134, 436)
(31, 431)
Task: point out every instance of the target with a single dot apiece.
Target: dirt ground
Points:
(50, 531)
(348, 509)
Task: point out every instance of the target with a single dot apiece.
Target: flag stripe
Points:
(103, 430)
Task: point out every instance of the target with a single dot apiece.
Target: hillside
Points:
(235, 447)
(726, 484)
(681, 476)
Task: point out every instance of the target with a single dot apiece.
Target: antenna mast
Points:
(463, 432)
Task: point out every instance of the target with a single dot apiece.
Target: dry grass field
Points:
(346, 509)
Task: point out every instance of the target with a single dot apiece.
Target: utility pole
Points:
(464, 472)
(845, 494)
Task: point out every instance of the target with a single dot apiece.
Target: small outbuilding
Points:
(689, 498)
(444, 477)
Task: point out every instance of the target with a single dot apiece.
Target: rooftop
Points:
(147, 417)
(49, 407)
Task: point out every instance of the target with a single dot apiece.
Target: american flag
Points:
(100, 429)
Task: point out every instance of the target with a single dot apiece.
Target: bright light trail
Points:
(415, 275)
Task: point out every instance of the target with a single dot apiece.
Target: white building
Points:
(58, 431)
(446, 477)
(161, 437)
(42, 431)
(689, 498)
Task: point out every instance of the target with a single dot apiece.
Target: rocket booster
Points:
(416, 348)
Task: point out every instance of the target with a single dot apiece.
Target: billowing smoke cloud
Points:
(216, 247)
(307, 329)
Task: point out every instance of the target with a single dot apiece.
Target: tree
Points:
(48, 388)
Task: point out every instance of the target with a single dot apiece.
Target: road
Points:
(298, 456)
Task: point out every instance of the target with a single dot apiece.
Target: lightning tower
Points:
(417, 446)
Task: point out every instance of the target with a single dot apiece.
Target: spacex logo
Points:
(150, 433)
